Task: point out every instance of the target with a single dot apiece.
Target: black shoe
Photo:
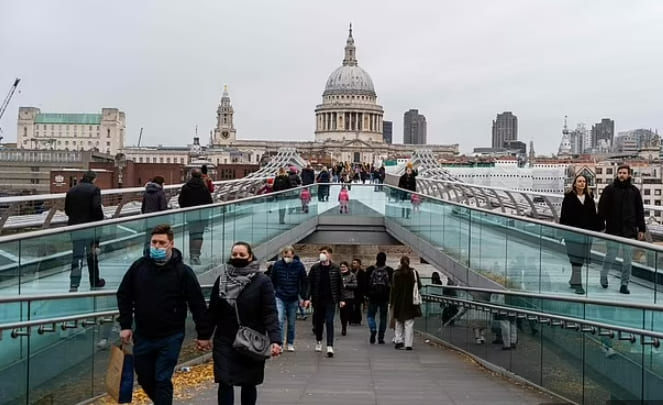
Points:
(408, 348)
(344, 332)
(580, 290)
(372, 338)
(506, 348)
(624, 290)
(73, 289)
(513, 345)
(497, 342)
(604, 283)
(100, 284)
(398, 346)
(381, 341)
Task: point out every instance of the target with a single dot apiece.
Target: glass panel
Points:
(10, 254)
(13, 369)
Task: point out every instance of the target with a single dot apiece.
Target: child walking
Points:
(344, 199)
(305, 197)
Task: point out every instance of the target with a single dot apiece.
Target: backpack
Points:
(378, 285)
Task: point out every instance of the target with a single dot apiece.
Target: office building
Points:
(387, 129)
(414, 128)
(505, 128)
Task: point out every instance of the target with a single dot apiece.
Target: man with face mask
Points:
(289, 279)
(620, 206)
(407, 181)
(155, 292)
(325, 290)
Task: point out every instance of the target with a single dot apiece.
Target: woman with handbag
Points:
(243, 311)
(406, 303)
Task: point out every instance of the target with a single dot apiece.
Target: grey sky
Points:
(460, 63)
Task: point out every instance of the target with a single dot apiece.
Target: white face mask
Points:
(97, 251)
(287, 259)
(323, 257)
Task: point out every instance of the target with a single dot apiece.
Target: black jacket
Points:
(335, 282)
(83, 204)
(620, 206)
(154, 199)
(579, 215)
(294, 180)
(257, 310)
(194, 192)
(281, 182)
(308, 176)
(408, 181)
(157, 296)
(401, 295)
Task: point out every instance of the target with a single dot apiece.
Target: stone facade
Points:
(68, 132)
(349, 108)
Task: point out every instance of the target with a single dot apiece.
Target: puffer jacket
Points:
(154, 199)
(335, 282)
(620, 206)
(349, 285)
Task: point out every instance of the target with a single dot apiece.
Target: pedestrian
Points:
(349, 287)
(415, 199)
(508, 332)
(194, 193)
(620, 207)
(360, 273)
(155, 292)
(305, 198)
(323, 184)
(308, 175)
(293, 177)
(435, 278)
(579, 211)
(289, 280)
(379, 285)
(241, 294)
(325, 292)
(206, 179)
(281, 183)
(344, 200)
(406, 303)
(82, 204)
(154, 200)
(407, 181)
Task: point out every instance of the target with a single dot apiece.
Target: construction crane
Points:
(5, 103)
(140, 136)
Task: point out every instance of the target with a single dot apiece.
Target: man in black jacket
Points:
(325, 287)
(154, 200)
(194, 193)
(620, 206)
(82, 205)
(155, 292)
(308, 175)
(408, 181)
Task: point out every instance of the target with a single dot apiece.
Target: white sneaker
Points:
(330, 351)
(291, 348)
(318, 347)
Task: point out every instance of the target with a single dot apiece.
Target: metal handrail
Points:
(575, 300)
(112, 221)
(59, 319)
(564, 320)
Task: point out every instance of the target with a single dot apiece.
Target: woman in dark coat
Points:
(401, 302)
(579, 211)
(242, 283)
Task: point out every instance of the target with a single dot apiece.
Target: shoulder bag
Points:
(250, 342)
(416, 296)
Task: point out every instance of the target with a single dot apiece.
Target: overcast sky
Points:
(459, 62)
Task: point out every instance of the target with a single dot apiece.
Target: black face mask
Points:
(238, 262)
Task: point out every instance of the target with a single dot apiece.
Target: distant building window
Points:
(73, 143)
(34, 181)
(657, 192)
(108, 144)
(167, 160)
(34, 169)
(154, 160)
(108, 133)
(66, 142)
(25, 131)
(647, 191)
(608, 171)
(140, 160)
(647, 202)
(160, 160)
(599, 170)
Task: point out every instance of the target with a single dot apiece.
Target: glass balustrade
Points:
(585, 367)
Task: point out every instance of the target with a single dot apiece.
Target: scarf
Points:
(233, 281)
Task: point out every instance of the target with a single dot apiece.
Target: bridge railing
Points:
(586, 351)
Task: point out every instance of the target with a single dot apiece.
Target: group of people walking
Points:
(156, 291)
(620, 213)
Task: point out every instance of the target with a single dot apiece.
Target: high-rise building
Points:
(505, 128)
(414, 128)
(387, 128)
(603, 131)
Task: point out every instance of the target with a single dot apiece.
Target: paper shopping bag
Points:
(120, 374)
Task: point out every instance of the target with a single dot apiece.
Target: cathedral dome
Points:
(349, 80)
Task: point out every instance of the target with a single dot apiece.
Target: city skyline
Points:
(166, 67)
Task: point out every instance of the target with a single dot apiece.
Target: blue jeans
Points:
(155, 361)
(373, 307)
(287, 309)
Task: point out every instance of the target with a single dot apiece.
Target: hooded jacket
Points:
(194, 192)
(154, 199)
(83, 204)
(308, 176)
(156, 296)
(620, 206)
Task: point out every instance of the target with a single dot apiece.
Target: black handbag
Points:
(250, 342)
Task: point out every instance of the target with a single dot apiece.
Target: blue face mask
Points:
(158, 255)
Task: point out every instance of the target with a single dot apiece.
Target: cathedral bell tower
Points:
(225, 132)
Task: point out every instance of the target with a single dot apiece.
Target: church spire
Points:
(350, 51)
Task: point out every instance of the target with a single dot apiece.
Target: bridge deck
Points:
(361, 373)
